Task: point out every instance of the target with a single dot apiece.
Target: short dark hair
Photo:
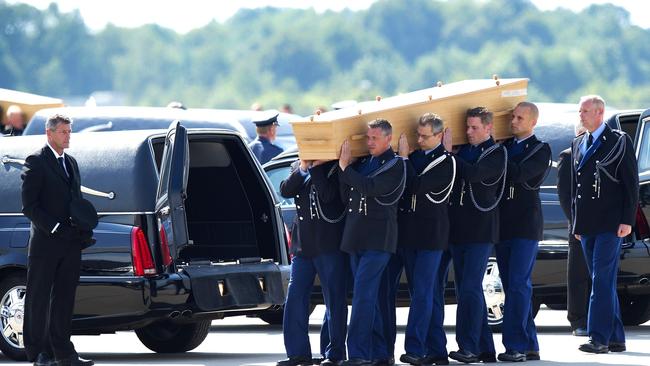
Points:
(432, 120)
(532, 109)
(382, 124)
(55, 120)
(482, 112)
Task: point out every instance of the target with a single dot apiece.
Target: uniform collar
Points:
(597, 132)
(426, 152)
(384, 157)
(485, 144)
(524, 139)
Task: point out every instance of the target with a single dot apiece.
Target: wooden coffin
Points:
(320, 136)
(29, 103)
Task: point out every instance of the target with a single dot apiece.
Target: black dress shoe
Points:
(487, 357)
(617, 347)
(512, 356)
(356, 362)
(384, 362)
(74, 361)
(43, 359)
(295, 361)
(463, 356)
(532, 356)
(412, 359)
(594, 347)
(436, 360)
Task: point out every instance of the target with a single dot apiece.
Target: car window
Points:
(277, 175)
(644, 149)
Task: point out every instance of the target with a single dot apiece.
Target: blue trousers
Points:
(365, 331)
(516, 259)
(421, 269)
(387, 307)
(436, 344)
(332, 269)
(472, 331)
(604, 322)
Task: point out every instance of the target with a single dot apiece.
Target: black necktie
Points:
(590, 140)
(62, 164)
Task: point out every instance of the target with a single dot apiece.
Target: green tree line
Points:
(311, 59)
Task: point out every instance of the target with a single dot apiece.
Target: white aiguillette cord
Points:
(448, 188)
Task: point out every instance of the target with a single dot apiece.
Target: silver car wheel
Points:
(12, 308)
(495, 297)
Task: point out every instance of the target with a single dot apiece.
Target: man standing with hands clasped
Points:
(605, 195)
(51, 182)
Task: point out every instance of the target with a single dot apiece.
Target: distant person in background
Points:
(321, 109)
(176, 104)
(286, 108)
(578, 279)
(257, 107)
(15, 122)
(263, 147)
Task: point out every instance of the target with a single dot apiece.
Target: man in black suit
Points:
(605, 195)
(372, 186)
(423, 224)
(315, 239)
(50, 182)
(578, 281)
(521, 229)
(473, 217)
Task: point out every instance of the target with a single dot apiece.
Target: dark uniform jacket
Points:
(46, 196)
(468, 224)
(601, 206)
(520, 209)
(263, 149)
(370, 225)
(564, 182)
(317, 198)
(423, 224)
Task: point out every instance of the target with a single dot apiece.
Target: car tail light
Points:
(287, 235)
(143, 264)
(164, 246)
(643, 231)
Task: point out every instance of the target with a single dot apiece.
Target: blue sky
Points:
(186, 15)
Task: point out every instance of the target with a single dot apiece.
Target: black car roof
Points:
(94, 119)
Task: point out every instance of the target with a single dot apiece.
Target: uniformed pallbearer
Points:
(423, 224)
(521, 229)
(605, 194)
(373, 185)
(316, 237)
(473, 230)
(263, 147)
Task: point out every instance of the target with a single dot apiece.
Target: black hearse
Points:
(189, 231)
